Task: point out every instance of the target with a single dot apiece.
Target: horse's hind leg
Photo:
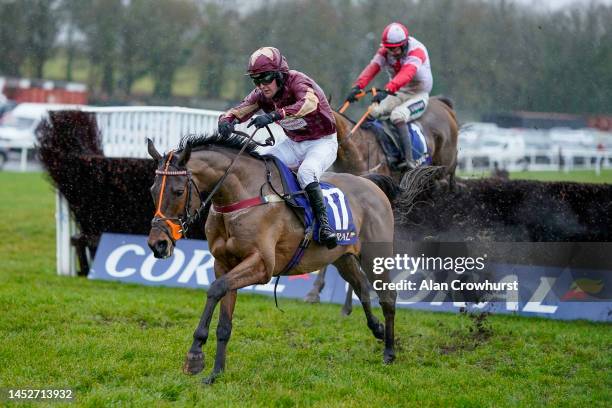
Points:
(387, 302)
(317, 287)
(349, 269)
(386, 297)
(452, 183)
(347, 309)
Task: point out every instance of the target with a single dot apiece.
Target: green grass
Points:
(185, 81)
(120, 344)
(55, 68)
(579, 176)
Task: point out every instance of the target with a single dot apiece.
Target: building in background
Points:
(43, 91)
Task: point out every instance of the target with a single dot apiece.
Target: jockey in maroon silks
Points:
(406, 95)
(294, 101)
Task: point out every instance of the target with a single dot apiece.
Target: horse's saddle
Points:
(338, 208)
(389, 139)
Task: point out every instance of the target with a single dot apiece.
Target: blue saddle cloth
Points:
(389, 140)
(338, 208)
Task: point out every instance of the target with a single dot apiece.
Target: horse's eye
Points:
(179, 193)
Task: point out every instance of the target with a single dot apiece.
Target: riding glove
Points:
(225, 128)
(264, 120)
(380, 95)
(352, 96)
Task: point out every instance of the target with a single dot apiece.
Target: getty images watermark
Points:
(491, 271)
(404, 263)
(24, 394)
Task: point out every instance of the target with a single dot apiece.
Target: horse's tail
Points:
(413, 187)
(391, 189)
(446, 100)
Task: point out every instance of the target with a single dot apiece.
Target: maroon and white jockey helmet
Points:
(394, 35)
(267, 59)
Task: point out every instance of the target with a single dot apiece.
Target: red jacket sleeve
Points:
(245, 109)
(415, 59)
(367, 75)
(373, 68)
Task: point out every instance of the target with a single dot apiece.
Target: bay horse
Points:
(360, 153)
(254, 244)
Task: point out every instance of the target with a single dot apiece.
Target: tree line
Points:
(494, 55)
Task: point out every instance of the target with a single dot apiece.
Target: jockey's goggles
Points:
(393, 50)
(264, 78)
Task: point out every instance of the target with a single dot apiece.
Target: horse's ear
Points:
(152, 150)
(185, 155)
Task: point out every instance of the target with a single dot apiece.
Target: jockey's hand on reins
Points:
(264, 120)
(380, 95)
(354, 94)
(225, 128)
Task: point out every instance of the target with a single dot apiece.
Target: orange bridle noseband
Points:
(177, 226)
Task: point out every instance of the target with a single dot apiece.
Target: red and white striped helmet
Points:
(395, 35)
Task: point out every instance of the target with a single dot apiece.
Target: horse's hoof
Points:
(389, 357)
(210, 380)
(346, 311)
(312, 298)
(194, 363)
(379, 331)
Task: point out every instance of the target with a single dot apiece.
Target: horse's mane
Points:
(203, 141)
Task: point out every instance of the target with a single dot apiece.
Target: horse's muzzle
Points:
(159, 248)
(160, 244)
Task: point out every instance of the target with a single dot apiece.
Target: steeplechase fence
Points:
(123, 131)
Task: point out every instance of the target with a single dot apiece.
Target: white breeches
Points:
(401, 107)
(310, 157)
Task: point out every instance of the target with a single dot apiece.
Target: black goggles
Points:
(263, 79)
(395, 49)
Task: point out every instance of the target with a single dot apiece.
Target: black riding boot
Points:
(327, 236)
(406, 143)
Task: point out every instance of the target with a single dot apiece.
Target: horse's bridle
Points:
(178, 226)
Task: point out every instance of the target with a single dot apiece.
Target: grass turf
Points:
(578, 176)
(120, 344)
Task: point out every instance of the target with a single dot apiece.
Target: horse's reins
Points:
(269, 142)
(364, 116)
(178, 230)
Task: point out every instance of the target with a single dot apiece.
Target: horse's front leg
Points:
(248, 272)
(194, 362)
(224, 331)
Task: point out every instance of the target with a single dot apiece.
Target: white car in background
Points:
(18, 127)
